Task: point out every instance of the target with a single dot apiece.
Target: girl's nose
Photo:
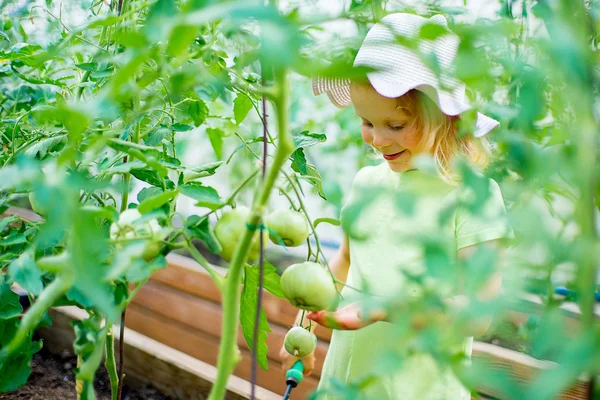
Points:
(380, 139)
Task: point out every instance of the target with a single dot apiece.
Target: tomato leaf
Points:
(181, 127)
(9, 301)
(248, 305)
(15, 370)
(216, 140)
(314, 178)
(154, 202)
(299, 161)
(241, 146)
(271, 280)
(307, 139)
(141, 270)
(241, 106)
(26, 273)
(198, 111)
(147, 176)
(205, 195)
(199, 228)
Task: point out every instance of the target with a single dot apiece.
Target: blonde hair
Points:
(440, 135)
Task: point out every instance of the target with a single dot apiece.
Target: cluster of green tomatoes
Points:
(307, 286)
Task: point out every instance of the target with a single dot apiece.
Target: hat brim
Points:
(338, 92)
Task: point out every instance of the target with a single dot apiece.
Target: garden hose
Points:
(293, 377)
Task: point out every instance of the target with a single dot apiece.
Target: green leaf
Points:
(148, 192)
(249, 303)
(331, 221)
(201, 171)
(130, 148)
(243, 145)
(314, 177)
(205, 195)
(299, 161)
(155, 137)
(271, 280)
(25, 272)
(9, 301)
(181, 127)
(13, 239)
(241, 106)
(15, 370)
(159, 20)
(125, 167)
(42, 147)
(89, 249)
(307, 139)
(91, 66)
(216, 140)
(181, 38)
(157, 201)
(141, 270)
(148, 176)
(198, 111)
(199, 228)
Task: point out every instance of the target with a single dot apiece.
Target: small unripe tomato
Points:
(36, 205)
(299, 342)
(127, 227)
(309, 286)
(229, 230)
(289, 225)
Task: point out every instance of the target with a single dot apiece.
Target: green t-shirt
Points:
(388, 215)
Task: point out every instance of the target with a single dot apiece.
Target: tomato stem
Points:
(110, 363)
(228, 353)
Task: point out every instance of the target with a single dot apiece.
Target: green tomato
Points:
(37, 205)
(309, 286)
(127, 227)
(229, 230)
(299, 342)
(290, 225)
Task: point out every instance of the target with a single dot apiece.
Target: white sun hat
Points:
(398, 69)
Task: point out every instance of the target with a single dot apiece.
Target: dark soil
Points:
(52, 378)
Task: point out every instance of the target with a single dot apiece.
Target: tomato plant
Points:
(114, 113)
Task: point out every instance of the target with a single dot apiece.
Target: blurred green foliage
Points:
(115, 100)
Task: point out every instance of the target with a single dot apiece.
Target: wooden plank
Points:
(523, 369)
(187, 309)
(187, 276)
(151, 362)
(205, 347)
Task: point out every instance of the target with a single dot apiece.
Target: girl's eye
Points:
(397, 128)
(368, 124)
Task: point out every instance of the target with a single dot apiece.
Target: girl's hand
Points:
(288, 361)
(346, 318)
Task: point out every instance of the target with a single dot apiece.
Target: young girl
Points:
(406, 111)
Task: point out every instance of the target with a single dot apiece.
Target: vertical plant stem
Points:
(262, 257)
(228, 352)
(111, 366)
(121, 355)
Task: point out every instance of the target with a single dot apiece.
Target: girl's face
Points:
(386, 128)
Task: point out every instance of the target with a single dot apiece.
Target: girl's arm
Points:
(488, 292)
(339, 265)
(350, 318)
